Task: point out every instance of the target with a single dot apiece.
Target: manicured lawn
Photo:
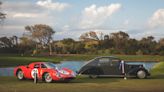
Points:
(158, 69)
(15, 60)
(11, 84)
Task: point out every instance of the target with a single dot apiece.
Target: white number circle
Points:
(35, 70)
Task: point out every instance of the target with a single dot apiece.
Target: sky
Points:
(71, 18)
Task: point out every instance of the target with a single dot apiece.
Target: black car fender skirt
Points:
(135, 70)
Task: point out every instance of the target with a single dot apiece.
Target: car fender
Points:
(53, 74)
(22, 68)
(135, 70)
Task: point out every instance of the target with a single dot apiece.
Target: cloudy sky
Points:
(70, 18)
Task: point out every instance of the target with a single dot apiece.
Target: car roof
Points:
(37, 62)
(106, 57)
(98, 58)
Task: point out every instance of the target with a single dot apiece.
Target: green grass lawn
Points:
(11, 84)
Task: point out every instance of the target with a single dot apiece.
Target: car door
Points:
(104, 64)
(114, 66)
(36, 69)
(110, 66)
(42, 69)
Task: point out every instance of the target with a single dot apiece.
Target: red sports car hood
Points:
(66, 71)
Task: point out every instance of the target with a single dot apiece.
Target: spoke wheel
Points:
(20, 75)
(141, 74)
(47, 78)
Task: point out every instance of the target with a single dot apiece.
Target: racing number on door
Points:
(35, 70)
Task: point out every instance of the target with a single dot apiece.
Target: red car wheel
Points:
(47, 78)
(20, 75)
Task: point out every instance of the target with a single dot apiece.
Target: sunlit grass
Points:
(11, 84)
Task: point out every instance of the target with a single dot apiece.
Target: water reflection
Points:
(7, 71)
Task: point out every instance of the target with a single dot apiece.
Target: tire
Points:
(93, 76)
(20, 75)
(141, 74)
(47, 78)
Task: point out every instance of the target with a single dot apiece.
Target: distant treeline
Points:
(89, 43)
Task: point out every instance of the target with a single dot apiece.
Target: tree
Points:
(120, 39)
(131, 47)
(6, 42)
(160, 47)
(7, 45)
(147, 45)
(41, 33)
(68, 45)
(14, 40)
(26, 45)
(2, 15)
(91, 36)
(107, 42)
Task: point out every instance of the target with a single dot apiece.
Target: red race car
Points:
(45, 71)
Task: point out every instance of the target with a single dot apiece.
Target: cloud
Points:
(54, 6)
(157, 19)
(25, 15)
(93, 16)
(22, 6)
(22, 14)
(64, 30)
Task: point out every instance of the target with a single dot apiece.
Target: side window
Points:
(115, 62)
(36, 65)
(103, 61)
(43, 66)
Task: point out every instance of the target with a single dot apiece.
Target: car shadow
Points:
(90, 80)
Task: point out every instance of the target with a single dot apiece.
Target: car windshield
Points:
(51, 65)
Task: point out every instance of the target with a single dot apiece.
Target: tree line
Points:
(38, 39)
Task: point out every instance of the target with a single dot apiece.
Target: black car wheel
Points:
(141, 74)
(47, 78)
(20, 75)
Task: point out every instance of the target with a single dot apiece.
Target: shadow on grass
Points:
(95, 80)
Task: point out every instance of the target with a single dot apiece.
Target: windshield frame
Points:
(50, 65)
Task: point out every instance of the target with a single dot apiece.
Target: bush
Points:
(161, 53)
(139, 52)
(114, 51)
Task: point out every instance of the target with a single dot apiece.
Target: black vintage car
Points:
(112, 67)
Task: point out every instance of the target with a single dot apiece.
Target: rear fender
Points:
(135, 70)
(22, 68)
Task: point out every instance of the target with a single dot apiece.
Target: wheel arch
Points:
(135, 70)
(19, 69)
(43, 75)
